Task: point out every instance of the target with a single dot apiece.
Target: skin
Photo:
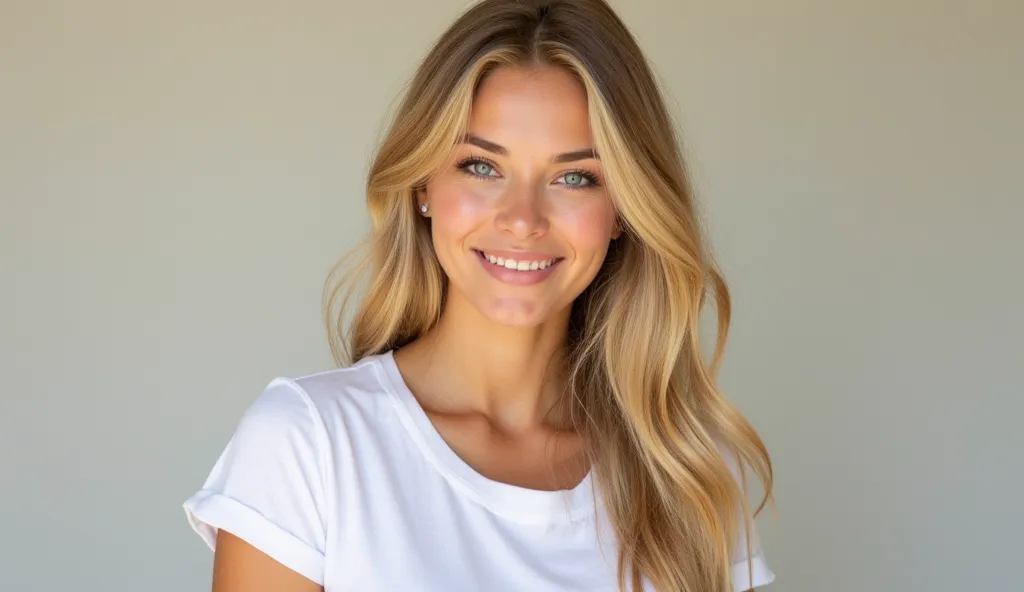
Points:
(239, 567)
(490, 374)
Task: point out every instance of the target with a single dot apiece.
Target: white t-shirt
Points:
(342, 477)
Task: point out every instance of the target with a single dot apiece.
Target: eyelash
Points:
(592, 179)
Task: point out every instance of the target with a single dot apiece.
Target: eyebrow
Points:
(501, 150)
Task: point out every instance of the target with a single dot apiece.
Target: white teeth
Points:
(519, 265)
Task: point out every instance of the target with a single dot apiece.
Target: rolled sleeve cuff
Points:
(209, 511)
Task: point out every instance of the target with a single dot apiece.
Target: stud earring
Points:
(424, 208)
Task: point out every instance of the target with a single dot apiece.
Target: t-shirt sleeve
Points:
(268, 487)
(749, 570)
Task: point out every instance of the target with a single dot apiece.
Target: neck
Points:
(512, 375)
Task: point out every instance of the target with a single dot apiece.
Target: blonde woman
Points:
(523, 403)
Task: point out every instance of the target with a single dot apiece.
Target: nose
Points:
(521, 212)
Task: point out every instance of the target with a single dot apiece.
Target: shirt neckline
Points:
(516, 503)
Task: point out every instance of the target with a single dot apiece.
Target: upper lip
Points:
(519, 255)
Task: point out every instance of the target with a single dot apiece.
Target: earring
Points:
(424, 208)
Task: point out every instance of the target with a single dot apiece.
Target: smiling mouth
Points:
(519, 265)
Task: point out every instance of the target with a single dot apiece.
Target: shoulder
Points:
(284, 448)
(297, 401)
(322, 412)
(274, 483)
(344, 394)
(350, 384)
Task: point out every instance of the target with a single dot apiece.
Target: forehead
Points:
(542, 108)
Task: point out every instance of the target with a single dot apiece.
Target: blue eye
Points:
(482, 169)
(574, 179)
(479, 168)
(579, 180)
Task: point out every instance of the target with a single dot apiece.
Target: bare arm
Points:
(240, 567)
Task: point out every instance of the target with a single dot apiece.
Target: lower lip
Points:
(512, 276)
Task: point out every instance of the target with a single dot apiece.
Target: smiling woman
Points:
(521, 200)
(524, 404)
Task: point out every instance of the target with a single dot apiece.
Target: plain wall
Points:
(178, 177)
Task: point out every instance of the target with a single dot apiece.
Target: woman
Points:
(526, 405)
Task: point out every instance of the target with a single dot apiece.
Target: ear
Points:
(422, 201)
(616, 229)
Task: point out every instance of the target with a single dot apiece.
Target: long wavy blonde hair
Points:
(642, 393)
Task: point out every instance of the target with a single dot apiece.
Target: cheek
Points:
(457, 209)
(588, 226)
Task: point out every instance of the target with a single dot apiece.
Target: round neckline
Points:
(517, 503)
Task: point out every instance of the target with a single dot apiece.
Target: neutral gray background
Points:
(177, 178)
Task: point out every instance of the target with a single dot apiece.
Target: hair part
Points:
(642, 393)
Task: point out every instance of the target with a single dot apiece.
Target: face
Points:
(520, 216)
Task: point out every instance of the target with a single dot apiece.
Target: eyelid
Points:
(593, 179)
(465, 162)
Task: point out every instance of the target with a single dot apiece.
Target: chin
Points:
(516, 313)
(513, 318)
